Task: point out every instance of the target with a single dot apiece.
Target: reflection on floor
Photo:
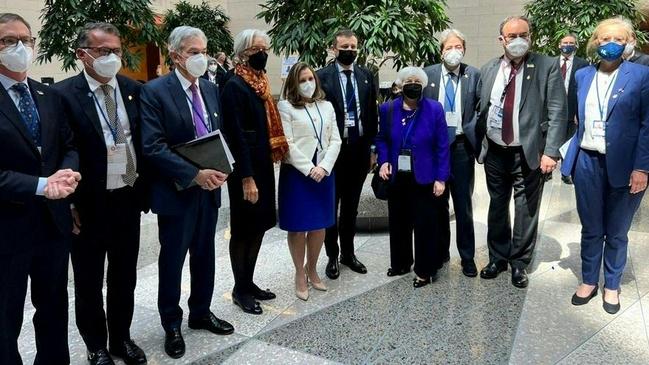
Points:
(373, 319)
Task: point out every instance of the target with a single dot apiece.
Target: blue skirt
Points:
(305, 205)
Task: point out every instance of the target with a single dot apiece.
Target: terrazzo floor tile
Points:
(258, 352)
(638, 257)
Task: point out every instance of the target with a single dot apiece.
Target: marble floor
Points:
(374, 319)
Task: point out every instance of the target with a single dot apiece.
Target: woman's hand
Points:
(317, 173)
(438, 188)
(385, 171)
(638, 181)
(250, 192)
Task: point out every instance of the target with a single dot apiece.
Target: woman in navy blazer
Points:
(413, 153)
(608, 159)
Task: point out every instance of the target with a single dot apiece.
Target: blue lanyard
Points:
(608, 90)
(451, 103)
(409, 128)
(113, 131)
(318, 136)
(200, 115)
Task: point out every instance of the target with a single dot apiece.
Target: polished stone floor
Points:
(373, 319)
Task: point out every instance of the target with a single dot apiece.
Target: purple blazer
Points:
(428, 140)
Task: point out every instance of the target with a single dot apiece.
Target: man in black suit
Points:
(177, 108)
(352, 91)
(104, 116)
(37, 171)
(455, 85)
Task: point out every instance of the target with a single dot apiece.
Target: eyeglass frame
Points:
(28, 41)
(106, 51)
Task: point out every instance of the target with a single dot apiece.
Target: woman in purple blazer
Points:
(413, 153)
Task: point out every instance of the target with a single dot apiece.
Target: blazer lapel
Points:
(180, 99)
(362, 84)
(529, 76)
(211, 103)
(618, 88)
(129, 103)
(436, 74)
(335, 80)
(87, 103)
(8, 108)
(488, 82)
(464, 87)
(588, 80)
(43, 106)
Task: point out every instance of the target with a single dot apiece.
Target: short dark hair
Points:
(291, 88)
(515, 17)
(11, 17)
(570, 34)
(84, 33)
(343, 32)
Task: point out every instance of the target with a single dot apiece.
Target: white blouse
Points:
(594, 138)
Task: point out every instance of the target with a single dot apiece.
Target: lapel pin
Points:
(530, 65)
(39, 92)
(90, 94)
(466, 76)
(130, 97)
(432, 84)
(529, 77)
(621, 91)
(366, 81)
(215, 115)
(615, 96)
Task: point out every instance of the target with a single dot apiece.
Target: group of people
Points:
(513, 116)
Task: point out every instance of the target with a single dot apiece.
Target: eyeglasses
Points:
(105, 51)
(12, 41)
(511, 36)
(253, 50)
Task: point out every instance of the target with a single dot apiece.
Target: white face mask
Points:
(453, 57)
(106, 66)
(307, 88)
(212, 68)
(196, 65)
(17, 58)
(518, 47)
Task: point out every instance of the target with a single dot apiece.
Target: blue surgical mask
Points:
(610, 51)
(568, 49)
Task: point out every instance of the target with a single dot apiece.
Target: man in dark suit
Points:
(522, 123)
(212, 68)
(455, 85)
(178, 108)
(104, 116)
(37, 171)
(352, 91)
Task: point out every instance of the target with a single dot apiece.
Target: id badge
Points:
(452, 119)
(405, 161)
(350, 119)
(495, 117)
(599, 128)
(117, 159)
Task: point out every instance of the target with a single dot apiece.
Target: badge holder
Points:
(117, 159)
(405, 161)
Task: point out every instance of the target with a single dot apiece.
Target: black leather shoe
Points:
(418, 283)
(469, 269)
(174, 343)
(519, 278)
(332, 270)
(577, 300)
(611, 308)
(101, 357)
(393, 272)
(131, 353)
(247, 304)
(492, 270)
(567, 180)
(261, 294)
(212, 324)
(353, 263)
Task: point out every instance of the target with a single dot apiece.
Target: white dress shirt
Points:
(112, 181)
(343, 88)
(457, 86)
(568, 63)
(499, 85)
(602, 83)
(185, 85)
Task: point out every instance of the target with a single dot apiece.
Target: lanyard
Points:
(512, 76)
(347, 103)
(318, 136)
(451, 103)
(200, 115)
(409, 128)
(608, 91)
(113, 131)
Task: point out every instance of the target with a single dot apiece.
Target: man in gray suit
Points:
(455, 85)
(522, 123)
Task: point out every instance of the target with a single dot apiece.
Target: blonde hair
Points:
(622, 23)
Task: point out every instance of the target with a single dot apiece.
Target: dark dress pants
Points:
(410, 208)
(351, 170)
(110, 230)
(606, 214)
(45, 262)
(191, 231)
(507, 171)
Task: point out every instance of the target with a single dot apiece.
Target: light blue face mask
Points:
(610, 51)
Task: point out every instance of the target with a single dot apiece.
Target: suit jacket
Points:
(367, 91)
(21, 210)
(543, 108)
(89, 138)
(577, 63)
(627, 123)
(167, 122)
(430, 155)
(469, 83)
(640, 58)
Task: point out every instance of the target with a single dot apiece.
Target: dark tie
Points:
(508, 107)
(197, 112)
(350, 99)
(564, 67)
(28, 112)
(120, 137)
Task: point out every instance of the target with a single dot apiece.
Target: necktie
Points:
(564, 67)
(449, 97)
(28, 112)
(120, 137)
(197, 112)
(350, 99)
(508, 107)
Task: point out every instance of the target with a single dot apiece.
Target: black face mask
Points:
(258, 60)
(346, 56)
(412, 91)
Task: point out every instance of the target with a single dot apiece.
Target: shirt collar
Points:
(445, 71)
(8, 82)
(508, 63)
(570, 58)
(341, 69)
(94, 84)
(184, 82)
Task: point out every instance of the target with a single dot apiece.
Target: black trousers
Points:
(192, 231)
(410, 208)
(244, 250)
(351, 171)
(507, 171)
(460, 188)
(111, 230)
(45, 262)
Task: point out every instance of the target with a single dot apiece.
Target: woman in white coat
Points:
(306, 183)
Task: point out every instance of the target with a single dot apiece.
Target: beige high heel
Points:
(317, 286)
(303, 295)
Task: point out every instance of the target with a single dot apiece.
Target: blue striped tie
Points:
(28, 112)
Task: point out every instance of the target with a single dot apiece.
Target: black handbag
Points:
(379, 186)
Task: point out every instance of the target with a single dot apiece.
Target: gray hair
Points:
(411, 71)
(244, 40)
(11, 17)
(180, 34)
(448, 33)
(84, 33)
(515, 17)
